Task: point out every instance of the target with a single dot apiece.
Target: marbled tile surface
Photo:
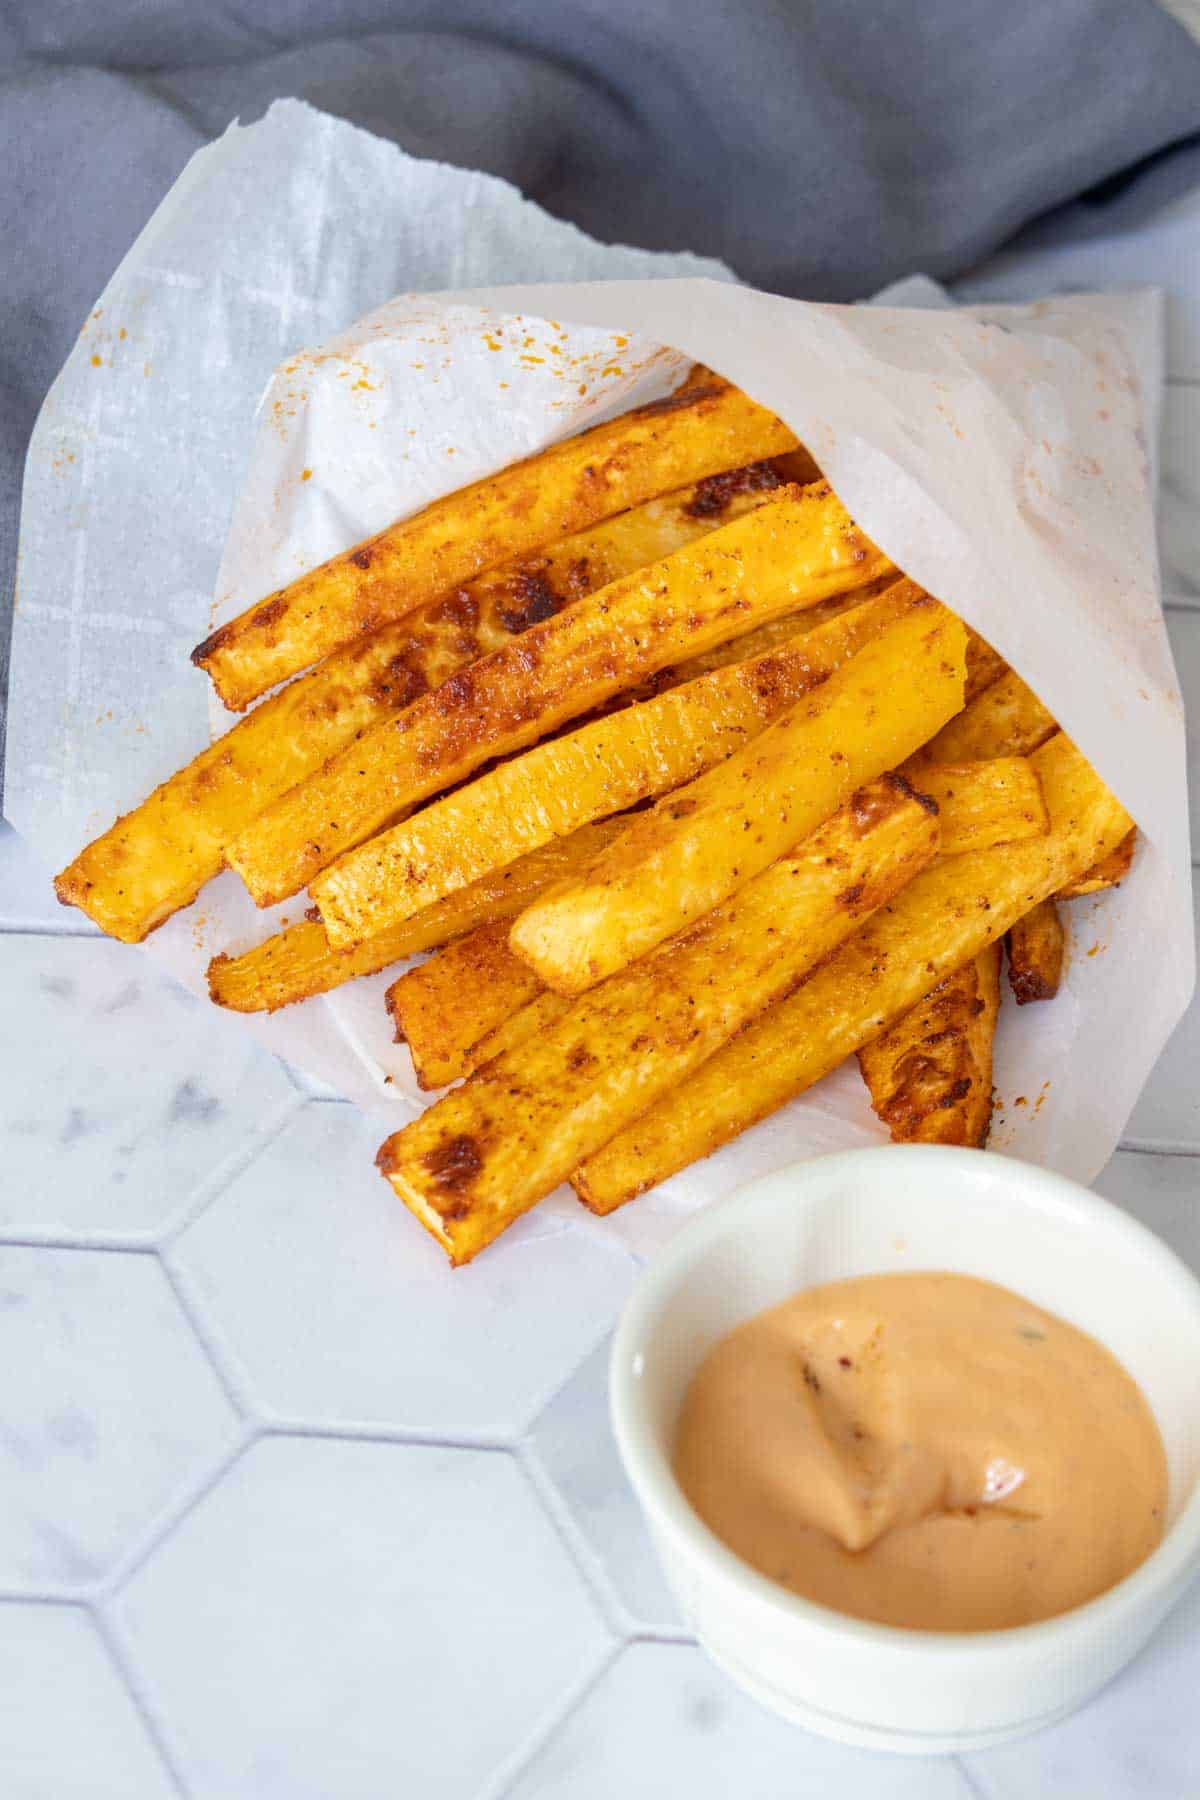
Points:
(289, 1513)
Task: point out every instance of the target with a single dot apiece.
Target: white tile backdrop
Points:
(289, 1513)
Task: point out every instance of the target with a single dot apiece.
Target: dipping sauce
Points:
(925, 1450)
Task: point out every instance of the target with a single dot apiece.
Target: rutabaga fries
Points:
(971, 805)
(929, 1075)
(704, 841)
(1006, 719)
(297, 963)
(796, 549)
(947, 916)
(487, 1151)
(1037, 951)
(604, 767)
(447, 1004)
(997, 801)
(706, 428)
(156, 859)
(1110, 871)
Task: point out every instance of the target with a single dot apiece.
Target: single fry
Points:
(1037, 953)
(998, 801)
(447, 1004)
(1005, 719)
(298, 963)
(947, 916)
(703, 841)
(491, 1148)
(797, 548)
(1110, 871)
(705, 428)
(929, 1074)
(156, 858)
(604, 767)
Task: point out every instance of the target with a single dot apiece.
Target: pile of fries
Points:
(692, 793)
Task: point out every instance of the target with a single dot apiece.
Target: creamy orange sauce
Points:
(925, 1450)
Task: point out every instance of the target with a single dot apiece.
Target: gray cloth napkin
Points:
(818, 150)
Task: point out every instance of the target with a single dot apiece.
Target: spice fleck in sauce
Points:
(925, 1450)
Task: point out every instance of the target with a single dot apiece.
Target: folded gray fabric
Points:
(819, 150)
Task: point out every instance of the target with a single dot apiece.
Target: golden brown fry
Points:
(929, 1074)
(1006, 719)
(706, 428)
(798, 547)
(998, 801)
(156, 858)
(703, 841)
(297, 963)
(601, 768)
(1037, 950)
(1110, 871)
(447, 1004)
(948, 915)
(491, 1148)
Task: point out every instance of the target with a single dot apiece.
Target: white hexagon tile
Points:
(111, 1409)
(123, 1095)
(337, 1311)
(342, 1620)
(69, 1729)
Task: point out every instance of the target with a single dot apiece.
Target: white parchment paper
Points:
(1000, 455)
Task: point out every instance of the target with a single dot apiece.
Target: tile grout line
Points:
(86, 1243)
(682, 1639)
(131, 1681)
(274, 1425)
(519, 1760)
(103, 1592)
(1147, 1147)
(231, 1375)
(43, 929)
(970, 1780)
(587, 1563)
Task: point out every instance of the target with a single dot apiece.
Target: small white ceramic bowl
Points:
(893, 1208)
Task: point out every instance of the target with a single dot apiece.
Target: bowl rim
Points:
(1168, 1566)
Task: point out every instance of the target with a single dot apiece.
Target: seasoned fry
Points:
(1006, 719)
(603, 767)
(947, 916)
(488, 1150)
(156, 858)
(799, 547)
(447, 1004)
(1110, 871)
(929, 1074)
(297, 963)
(1037, 950)
(998, 801)
(702, 842)
(704, 429)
